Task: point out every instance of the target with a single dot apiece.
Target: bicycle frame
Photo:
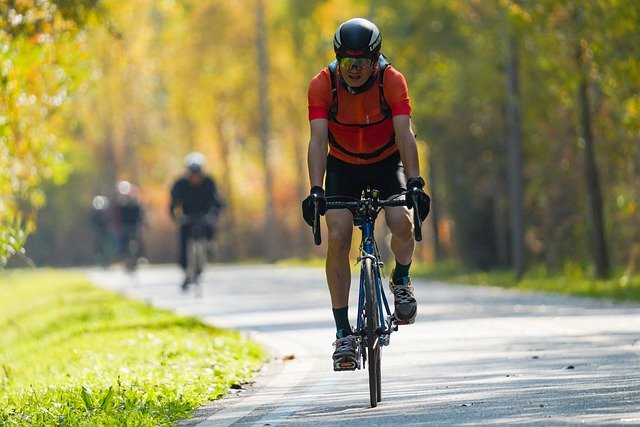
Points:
(369, 249)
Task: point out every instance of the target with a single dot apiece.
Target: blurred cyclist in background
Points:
(194, 195)
(101, 220)
(128, 217)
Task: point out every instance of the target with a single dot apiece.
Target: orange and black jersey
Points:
(360, 127)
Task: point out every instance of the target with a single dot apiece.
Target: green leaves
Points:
(87, 398)
(107, 400)
(104, 402)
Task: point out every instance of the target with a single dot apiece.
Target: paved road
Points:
(474, 356)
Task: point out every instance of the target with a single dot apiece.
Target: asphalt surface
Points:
(475, 356)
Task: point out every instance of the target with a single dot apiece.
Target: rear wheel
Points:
(192, 261)
(200, 264)
(133, 249)
(372, 317)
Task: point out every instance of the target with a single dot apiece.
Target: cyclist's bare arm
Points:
(317, 153)
(406, 140)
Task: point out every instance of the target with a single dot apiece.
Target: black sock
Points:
(341, 316)
(400, 271)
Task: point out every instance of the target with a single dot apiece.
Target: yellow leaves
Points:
(627, 206)
(631, 114)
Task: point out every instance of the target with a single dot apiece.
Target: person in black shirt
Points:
(193, 195)
(128, 218)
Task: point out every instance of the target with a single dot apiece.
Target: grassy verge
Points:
(72, 354)
(573, 280)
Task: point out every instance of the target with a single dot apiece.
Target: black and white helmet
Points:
(357, 38)
(194, 162)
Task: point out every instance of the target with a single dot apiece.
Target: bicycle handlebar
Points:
(410, 201)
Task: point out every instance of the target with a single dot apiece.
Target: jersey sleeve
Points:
(396, 92)
(319, 95)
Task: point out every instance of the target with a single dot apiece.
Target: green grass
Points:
(75, 355)
(572, 280)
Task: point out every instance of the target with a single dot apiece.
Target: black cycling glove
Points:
(308, 208)
(422, 198)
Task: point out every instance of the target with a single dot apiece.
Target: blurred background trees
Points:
(95, 92)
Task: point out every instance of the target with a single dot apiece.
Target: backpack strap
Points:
(333, 109)
(384, 105)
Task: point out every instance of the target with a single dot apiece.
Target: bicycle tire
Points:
(131, 263)
(379, 346)
(372, 317)
(202, 262)
(192, 260)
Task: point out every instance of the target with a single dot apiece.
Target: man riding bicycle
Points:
(361, 136)
(128, 218)
(194, 195)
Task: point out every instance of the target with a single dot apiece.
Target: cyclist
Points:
(101, 216)
(361, 136)
(194, 194)
(128, 217)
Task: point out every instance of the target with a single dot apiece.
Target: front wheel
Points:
(372, 319)
(133, 250)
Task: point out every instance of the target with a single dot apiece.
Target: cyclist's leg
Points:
(182, 256)
(400, 224)
(340, 228)
(342, 179)
(399, 220)
(201, 256)
(184, 235)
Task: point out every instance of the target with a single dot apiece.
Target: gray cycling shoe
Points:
(406, 306)
(345, 356)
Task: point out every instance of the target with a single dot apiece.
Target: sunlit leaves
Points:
(40, 52)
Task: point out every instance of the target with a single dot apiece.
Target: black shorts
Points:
(347, 179)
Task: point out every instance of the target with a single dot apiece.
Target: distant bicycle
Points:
(375, 322)
(197, 249)
(132, 247)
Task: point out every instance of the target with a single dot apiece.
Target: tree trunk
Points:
(230, 251)
(591, 177)
(434, 214)
(514, 142)
(270, 225)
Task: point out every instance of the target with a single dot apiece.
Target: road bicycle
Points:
(196, 251)
(375, 322)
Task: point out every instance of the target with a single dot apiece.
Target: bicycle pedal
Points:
(345, 366)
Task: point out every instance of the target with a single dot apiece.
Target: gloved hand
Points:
(308, 208)
(422, 198)
(176, 212)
